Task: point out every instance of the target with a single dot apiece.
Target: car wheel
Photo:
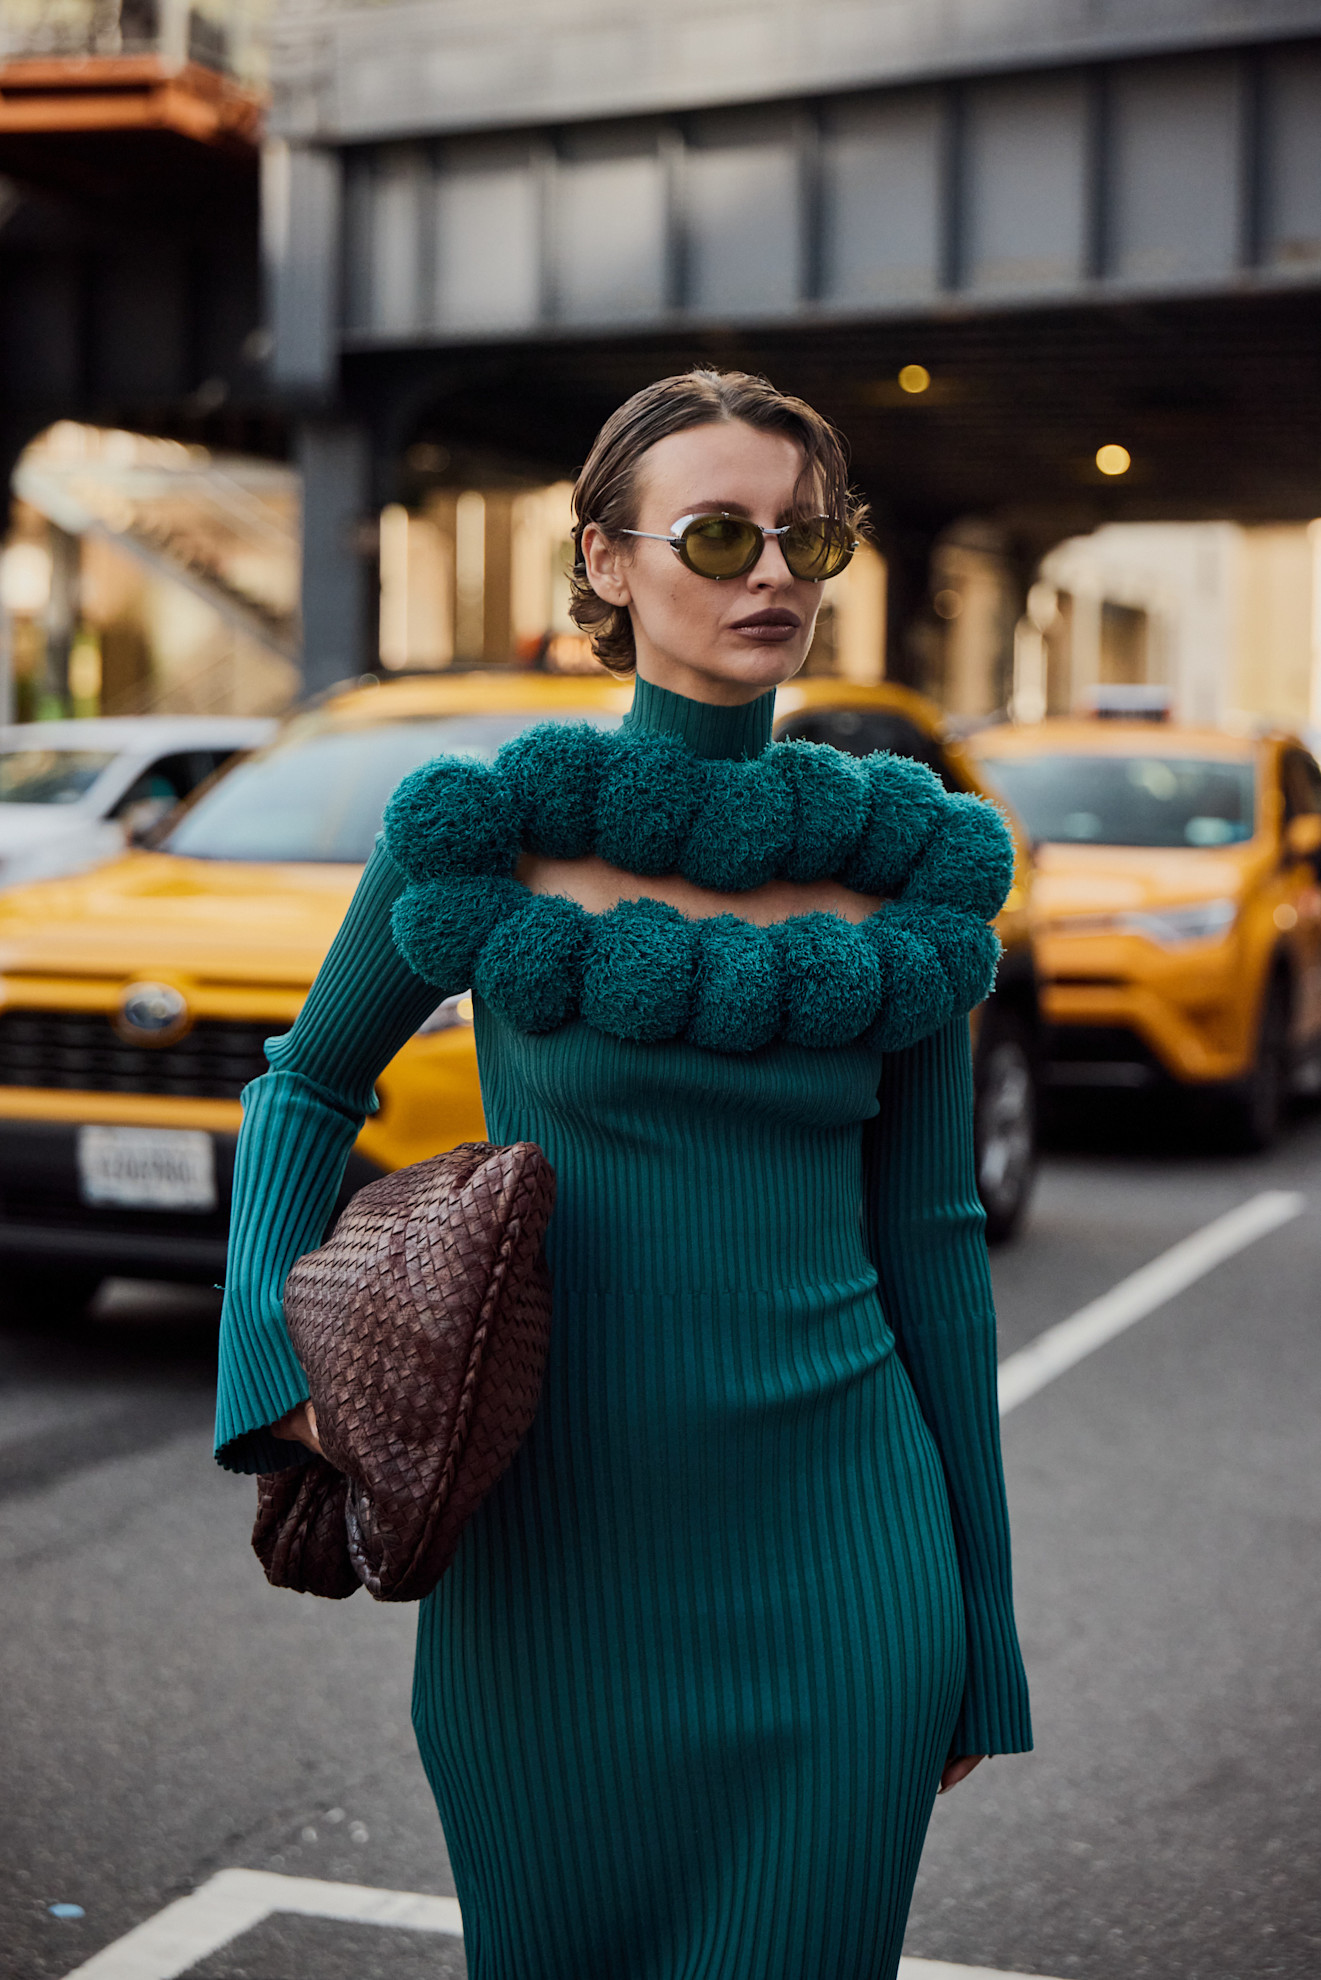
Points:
(57, 1292)
(1004, 1121)
(1256, 1104)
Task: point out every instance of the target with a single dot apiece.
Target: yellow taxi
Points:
(134, 1000)
(1178, 907)
(1007, 1028)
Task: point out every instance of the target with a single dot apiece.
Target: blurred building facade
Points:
(1004, 248)
(997, 245)
(1225, 619)
(143, 575)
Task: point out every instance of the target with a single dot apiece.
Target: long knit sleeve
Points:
(925, 1235)
(300, 1121)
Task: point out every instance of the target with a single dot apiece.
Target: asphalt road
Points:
(166, 1715)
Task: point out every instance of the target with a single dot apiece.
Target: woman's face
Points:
(720, 642)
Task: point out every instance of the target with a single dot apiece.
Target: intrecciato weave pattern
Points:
(423, 1325)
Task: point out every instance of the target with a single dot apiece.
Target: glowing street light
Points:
(914, 378)
(1113, 459)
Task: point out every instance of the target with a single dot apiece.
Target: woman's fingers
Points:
(959, 1770)
(299, 1426)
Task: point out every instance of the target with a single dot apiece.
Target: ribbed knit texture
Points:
(686, 1692)
(719, 734)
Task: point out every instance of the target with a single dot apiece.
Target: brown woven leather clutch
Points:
(422, 1324)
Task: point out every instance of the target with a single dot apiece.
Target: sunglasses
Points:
(724, 546)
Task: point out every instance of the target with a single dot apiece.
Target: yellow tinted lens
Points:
(818, 549)
(720, 546)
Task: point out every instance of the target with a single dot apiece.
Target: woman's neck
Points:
(709, 729)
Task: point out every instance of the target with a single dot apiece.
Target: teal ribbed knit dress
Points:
(686, 1693)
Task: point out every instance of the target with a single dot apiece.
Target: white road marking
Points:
(1134, 1298)
(234, 1901)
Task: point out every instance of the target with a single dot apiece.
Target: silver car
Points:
(75, 793)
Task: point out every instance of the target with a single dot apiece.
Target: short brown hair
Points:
(606, 490)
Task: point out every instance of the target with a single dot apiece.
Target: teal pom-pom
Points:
(530, 967)
(969, 863)
(440, 926)
(552, 774)
(831, 797)
(906, 805)
(737, 1002)
(831, 976)
(915, 997)
(638, 972)
(451, 817)
(969, 952)
(646, 803)
(743, 830)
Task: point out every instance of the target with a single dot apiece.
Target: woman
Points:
(742, 1604)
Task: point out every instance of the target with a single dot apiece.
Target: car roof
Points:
(489, 690)
(479, 691)
(1110, 738)
(121, 733)
(796, 697)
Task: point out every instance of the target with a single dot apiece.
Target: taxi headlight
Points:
(1200, 921)
(454, 1011)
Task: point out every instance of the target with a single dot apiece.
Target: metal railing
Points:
(229, 36)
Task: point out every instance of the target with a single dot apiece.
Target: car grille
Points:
(81, 1052)
(1099, 1055)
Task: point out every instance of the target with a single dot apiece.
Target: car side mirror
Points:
(1302, 835)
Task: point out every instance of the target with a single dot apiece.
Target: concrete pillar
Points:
(338, 594)
(61, 619)
(1085, 646)
(912, 639)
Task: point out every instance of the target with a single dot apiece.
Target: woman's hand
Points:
(959, 1770)
(299, 1426)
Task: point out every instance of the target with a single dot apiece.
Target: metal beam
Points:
(445, 66)
(1138, 180)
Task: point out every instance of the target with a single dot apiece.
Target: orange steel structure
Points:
(55, 95)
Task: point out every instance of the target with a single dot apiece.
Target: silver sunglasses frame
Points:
(675, 541)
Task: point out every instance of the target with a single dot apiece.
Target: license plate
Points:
(147, 1168)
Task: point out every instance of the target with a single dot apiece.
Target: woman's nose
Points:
(770, 572)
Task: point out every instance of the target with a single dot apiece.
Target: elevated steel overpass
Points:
(1089, 223)
(129, 269)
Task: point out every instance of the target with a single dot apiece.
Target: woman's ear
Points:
(605, 565)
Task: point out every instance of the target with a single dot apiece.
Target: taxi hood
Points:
(1114, 879)
(156, 914)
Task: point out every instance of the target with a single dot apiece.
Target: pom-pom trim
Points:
(645, 971)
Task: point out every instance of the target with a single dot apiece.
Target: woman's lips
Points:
(768, 628)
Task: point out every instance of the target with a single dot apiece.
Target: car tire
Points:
(1255, 1105)
(56, 1292)
(1005, 1120)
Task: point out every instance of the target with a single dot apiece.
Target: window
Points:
(860, 731)
(1142, 800)
(1301, 779)
(50, 776)
(319, 793)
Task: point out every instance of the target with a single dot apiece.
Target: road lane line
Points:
(235, 1901)
(1059, 1348)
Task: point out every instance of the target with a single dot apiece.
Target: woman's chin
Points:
(757, 662)
(727, 674)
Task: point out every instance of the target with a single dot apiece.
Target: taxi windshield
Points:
(50, 776)
(1139, 800)
(319, 793)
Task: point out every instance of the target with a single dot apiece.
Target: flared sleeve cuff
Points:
(995, 1716)
(290, 1163)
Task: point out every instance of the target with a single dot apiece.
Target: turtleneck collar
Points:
(707, 730)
